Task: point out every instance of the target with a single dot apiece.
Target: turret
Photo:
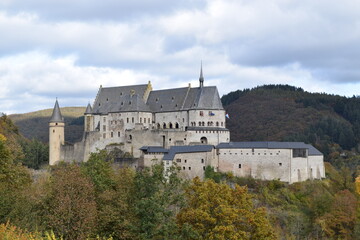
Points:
(89, 119)
(201, 78)
(56, 135)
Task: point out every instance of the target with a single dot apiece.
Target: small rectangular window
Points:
(118, 134)
(280, 164)
(185, 160)
(183, 168)
(178, 160)
(112, 134)
(239, 165)
(202, 160)
(189, 168)
(204, 168)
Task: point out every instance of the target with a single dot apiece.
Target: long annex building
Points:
(181, 126)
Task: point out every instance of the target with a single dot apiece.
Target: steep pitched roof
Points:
(56, 114)
(88, 109)
(184, 99)
(167, 100)
(131, 98)
(120, 99)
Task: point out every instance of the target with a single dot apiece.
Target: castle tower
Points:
(89, 119)
(201, 78)
(56, 135)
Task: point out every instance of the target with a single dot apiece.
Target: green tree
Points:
(217, 211)
(13, 179)
(100, 171)
(116, 215)
(157, 199)
(36, 153)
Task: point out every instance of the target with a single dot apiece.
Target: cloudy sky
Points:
(68, 48)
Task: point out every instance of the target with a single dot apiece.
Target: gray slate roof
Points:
(169, 154)
(186, 149)
(120, 99)
(56, 115)
(88, 109)
(271, 145)
(154, 149)
(206, 129)
(117, 99)
(184, 99)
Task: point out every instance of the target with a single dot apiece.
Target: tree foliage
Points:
(217, 211)
(70, 205)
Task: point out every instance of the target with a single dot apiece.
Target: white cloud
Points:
(34, 79)
(243, 43)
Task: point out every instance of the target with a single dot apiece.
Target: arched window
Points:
(199, 124)
(222, 124)
(203, 124)
(170, 125)
(158, 125)
(203, 140)
(176, 125)
(164, 125)
(217, 124)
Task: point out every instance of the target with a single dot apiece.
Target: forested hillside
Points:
(285, 113)
(36, 124)
(98, 200)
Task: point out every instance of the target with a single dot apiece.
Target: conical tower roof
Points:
(88, 109)
(56, 115)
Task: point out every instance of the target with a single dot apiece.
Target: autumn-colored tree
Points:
(217, 211)
(70, 205)
(357, 185)
(339, 223)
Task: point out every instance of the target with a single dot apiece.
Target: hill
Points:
(286, 113)
(35, 124)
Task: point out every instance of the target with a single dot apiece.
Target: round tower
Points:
(56, 135)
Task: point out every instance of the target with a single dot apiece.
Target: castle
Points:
(182, 126)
